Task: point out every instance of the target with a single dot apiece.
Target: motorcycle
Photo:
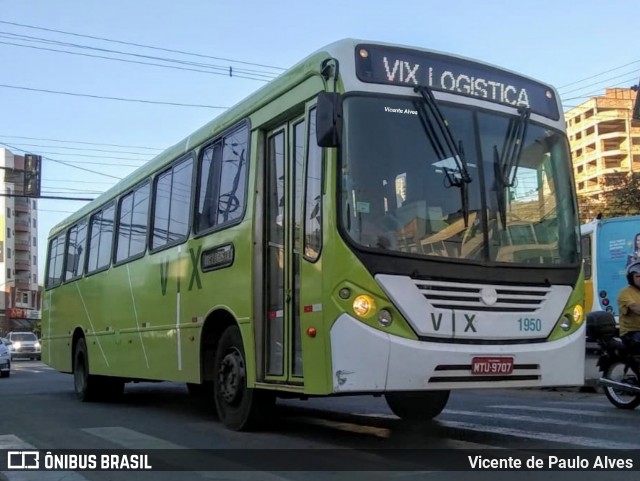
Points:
(618, 362)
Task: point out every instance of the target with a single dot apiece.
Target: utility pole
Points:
(636, 107)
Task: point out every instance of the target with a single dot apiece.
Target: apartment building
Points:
(20, 304)
(605, 143)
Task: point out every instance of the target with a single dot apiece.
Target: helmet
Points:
(631, 270)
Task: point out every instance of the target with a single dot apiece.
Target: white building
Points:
(19, 307)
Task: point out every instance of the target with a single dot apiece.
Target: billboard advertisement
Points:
(618, 245)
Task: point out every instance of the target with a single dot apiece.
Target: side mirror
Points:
(329, 119)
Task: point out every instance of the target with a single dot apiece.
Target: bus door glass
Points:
(284, 184)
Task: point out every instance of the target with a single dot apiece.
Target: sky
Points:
(579, 47)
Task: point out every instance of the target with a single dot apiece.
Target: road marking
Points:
(130, 439)
(576, 411)
(540, 435)
(530, 419)
(11, 441)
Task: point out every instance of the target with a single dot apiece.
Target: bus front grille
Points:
(483, 297)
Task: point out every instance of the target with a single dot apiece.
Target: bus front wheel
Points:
(239, 408)
(417, 405)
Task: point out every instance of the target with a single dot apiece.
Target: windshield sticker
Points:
(400, 111)
(363, 207)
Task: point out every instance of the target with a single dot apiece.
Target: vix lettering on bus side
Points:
(469, 318)
(401, 71)
(194, 277)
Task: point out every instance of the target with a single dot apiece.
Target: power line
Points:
(139, 45)
(78, 142)
(600, 82)
(84, 149)
(133, 61)
(620, 84)
(12, 147)
(228, 70)
(596, 75)
(103, 97)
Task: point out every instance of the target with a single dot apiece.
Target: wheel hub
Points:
(231, 376)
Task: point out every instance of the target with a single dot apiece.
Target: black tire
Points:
(239, 408)
(5, 373)
(417, 405)
(617, 397)
(89, 387)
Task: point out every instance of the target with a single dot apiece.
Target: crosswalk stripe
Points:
(575, 411)
(540, 435)
(579, 404)
(130, 439)
(13, 442)
(530, 419)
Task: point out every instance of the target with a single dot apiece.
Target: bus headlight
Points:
(565, 325)
(578, 313)
(364, 305)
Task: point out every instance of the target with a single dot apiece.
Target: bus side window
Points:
(76, 247)
(223, 181)
(586, 255)
(56, 258)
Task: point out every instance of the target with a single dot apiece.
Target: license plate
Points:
(491, 365)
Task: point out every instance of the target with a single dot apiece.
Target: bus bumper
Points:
(368, 360)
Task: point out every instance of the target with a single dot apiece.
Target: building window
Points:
(33, 204)
(8, 233)
(25, 297)
(8, 253)
(35, 260)
(8, 213)
(35, 279)
(8, 273)
(35, 242)
(34, 223)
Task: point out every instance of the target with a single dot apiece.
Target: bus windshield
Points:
(400, 194)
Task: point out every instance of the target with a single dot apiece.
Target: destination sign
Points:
(400, 66)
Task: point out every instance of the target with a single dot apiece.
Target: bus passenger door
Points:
(284, 208)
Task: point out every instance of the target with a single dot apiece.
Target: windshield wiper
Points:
(505, 164)
(444, 146)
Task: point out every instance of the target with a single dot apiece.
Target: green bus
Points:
(379, 219)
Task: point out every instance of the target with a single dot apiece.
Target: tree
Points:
(625, 199)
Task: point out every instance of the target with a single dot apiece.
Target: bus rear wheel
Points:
(417, 405)
(239, 408)
(89, 387)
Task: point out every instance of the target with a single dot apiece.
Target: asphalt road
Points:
(39, 410)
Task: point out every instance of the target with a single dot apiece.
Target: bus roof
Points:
(341, 49)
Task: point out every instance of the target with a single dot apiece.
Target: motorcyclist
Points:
(629, 307)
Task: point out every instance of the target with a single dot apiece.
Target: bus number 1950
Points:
(530, 324)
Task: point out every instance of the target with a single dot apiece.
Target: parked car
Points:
(25, 344)
(5, 359)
